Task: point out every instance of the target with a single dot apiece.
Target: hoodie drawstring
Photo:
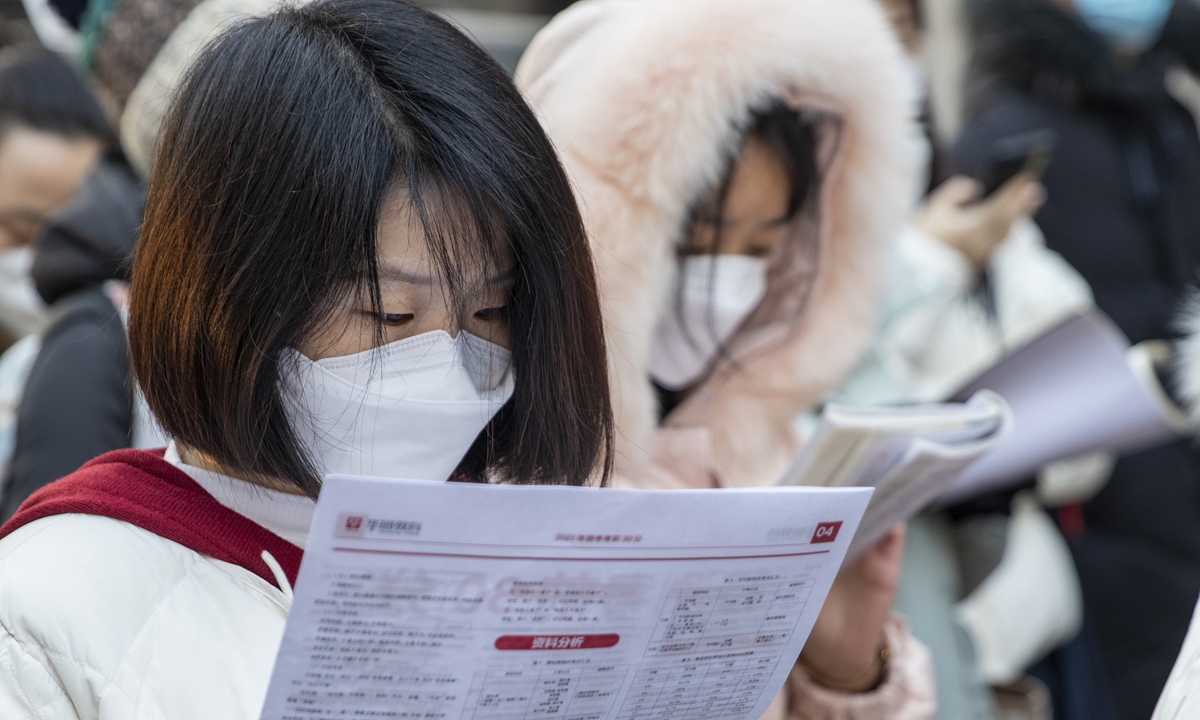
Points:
(281, 578)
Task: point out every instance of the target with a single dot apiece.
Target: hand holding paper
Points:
(505, 603)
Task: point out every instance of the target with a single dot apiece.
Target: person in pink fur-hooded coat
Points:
(667, 112)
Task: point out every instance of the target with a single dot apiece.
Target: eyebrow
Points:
(395, 274)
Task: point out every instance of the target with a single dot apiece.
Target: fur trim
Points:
(645, 100)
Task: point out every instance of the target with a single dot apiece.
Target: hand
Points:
(845, 642)
(955, 215)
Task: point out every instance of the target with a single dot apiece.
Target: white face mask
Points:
(718, 293)
(21, 308)
(409, 409)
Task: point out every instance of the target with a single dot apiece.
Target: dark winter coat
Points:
(78, 402)
(1124, 209)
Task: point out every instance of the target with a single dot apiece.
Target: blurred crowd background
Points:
(505, 27)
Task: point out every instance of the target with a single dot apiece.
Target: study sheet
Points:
(484, 602)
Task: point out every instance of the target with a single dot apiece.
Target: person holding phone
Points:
(961, 216)
(970, 276)
(1117, 82)
(970, 279)
(360, 255)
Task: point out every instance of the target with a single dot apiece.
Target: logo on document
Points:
(367, 527)
(826, 532)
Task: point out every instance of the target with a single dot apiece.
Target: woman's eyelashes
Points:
(393, 319)
(498, 313)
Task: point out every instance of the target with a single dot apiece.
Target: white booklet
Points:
(483, 602)
(909, 454)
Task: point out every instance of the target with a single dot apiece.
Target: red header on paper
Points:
(826, 532)
(556, 642)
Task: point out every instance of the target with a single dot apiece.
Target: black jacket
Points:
(1123, 208)
(78, 402)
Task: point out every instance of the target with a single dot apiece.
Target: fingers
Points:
(1017, 198)
(955, 215)
(891, 546)
(957, 191)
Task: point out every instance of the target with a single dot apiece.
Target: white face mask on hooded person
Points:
(21, 308)
(409, 409)
(717, 294)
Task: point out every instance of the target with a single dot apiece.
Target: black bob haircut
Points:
(273, 165)
(39, 90)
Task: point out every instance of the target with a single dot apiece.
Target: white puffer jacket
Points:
(102, 620)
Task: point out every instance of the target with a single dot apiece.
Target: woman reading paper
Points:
(360, 255)
(741, 168)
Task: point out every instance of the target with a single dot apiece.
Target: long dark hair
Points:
(793, 136)
(273, 165)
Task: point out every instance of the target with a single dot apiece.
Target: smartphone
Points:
(1028, 152)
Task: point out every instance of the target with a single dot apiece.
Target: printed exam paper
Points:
(483, 602)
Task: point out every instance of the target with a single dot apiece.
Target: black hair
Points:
(39, 90)
(792, 135)
(273, 166)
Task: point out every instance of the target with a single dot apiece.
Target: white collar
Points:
(288, 516)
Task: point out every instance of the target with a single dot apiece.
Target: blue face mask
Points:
(1128, 24)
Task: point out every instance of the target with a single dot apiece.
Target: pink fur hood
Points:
(645, 99)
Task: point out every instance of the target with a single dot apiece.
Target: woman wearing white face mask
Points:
(741, 167)
(360, 254)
